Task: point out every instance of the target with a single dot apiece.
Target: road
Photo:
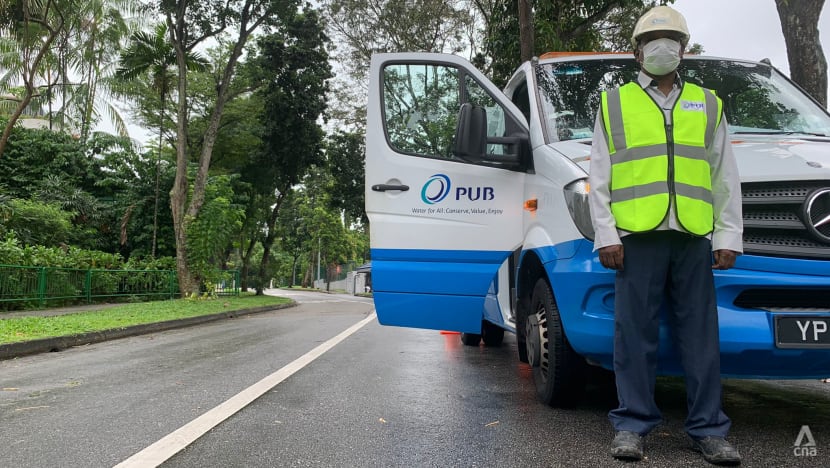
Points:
(337, 389)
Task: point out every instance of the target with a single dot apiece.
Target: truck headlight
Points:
(576, 197)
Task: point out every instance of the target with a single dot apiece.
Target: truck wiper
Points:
(778, 132)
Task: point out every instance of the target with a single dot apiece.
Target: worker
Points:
(666, 209)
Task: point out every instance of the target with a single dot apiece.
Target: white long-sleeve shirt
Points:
(726, 187)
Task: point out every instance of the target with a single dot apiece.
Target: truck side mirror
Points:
(470, 142)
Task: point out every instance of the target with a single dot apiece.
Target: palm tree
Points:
(153, 54)
(27, 30)
(103, 27)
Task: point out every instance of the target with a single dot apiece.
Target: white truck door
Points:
(441, 225)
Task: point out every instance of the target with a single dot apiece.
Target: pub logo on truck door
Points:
(439, 186)
(436, 189)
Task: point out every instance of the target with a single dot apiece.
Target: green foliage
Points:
(13, 252)
(210, 234)
(32, 155)
(104, 183)
(293, 66)
(345, 152)
(38, 223)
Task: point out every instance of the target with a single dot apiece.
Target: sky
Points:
(744, 29)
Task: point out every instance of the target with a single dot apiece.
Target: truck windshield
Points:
(756, 97)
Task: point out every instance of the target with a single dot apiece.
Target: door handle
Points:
(385, 187)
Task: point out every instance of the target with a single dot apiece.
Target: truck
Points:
(477, 200)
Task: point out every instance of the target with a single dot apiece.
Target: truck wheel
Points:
(470, 339)
(521, 341)
(558, 372)
(522, 347)
(492, 334)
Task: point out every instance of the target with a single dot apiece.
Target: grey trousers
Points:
(677, 267)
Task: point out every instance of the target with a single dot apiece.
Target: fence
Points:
(42, 285)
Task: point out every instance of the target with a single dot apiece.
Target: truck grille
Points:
(777, 223)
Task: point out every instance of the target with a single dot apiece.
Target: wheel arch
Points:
(530, 269)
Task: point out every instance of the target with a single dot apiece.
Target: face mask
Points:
(661, 56)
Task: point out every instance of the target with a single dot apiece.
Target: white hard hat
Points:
(661, 18)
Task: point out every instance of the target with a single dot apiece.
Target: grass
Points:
(32, 328)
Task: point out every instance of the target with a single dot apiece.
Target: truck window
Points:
(420, 108)
(421, 103)
(522, 100)
(756, 98)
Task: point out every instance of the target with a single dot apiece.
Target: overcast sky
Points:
(746, 29)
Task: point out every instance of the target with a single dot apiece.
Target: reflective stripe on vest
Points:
(651, 162)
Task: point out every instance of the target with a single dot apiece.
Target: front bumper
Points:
(584, 292)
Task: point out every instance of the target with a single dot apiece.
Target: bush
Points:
(12, 252)
(38, 223)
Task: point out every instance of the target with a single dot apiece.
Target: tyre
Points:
(558, 372)
(470, 339)
(492, 334)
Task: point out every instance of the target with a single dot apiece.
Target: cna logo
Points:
(805, 444)
(435, 189)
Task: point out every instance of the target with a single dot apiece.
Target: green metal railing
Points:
(42, 285)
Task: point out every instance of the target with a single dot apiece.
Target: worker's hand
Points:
(724, 259)
(612, 257)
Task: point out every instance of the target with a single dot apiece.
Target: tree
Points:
(345, 153)
(153, 54)
(364, 27)
(101, 28)
(557, 26)
(808, 67)
(189, 24)
(295, 71)
(28, 28)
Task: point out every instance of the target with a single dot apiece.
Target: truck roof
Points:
(552, 57)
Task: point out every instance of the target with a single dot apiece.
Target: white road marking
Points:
(171, 444)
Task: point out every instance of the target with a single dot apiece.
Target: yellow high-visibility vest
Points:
(652, 161)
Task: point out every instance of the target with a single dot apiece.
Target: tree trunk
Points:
(246, 262)
(178, 194)
(307, 276)
(293, 270)
(268, 243)
(525, 30)
(808, 67)
(186, 210)
(158, 170)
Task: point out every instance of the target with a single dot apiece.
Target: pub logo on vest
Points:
(692, 106)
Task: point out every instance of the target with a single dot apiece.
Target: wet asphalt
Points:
(383, 397)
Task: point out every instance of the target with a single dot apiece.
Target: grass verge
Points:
(19, 329)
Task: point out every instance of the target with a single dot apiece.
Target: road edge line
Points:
(171, 444)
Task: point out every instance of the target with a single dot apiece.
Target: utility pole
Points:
(318, 259)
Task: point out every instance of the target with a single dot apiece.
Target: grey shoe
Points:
(717, 451)
(627, 446)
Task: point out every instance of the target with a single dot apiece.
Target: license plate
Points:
(802, 332)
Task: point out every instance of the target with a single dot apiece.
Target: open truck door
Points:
(446, 158)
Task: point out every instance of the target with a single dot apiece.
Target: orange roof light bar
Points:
(576, 54)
